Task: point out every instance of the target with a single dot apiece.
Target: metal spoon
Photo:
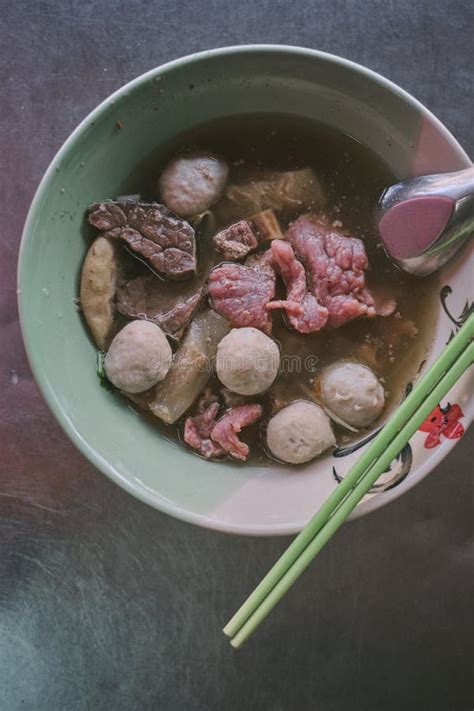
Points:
(424, 221)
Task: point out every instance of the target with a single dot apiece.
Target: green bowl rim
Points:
(45, 385)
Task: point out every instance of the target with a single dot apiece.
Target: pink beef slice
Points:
(236, 241)
(224, 433)
(197, 432)
(305, 313)
(151, 230)
(335, 267)
(241, 292)
(151, 299)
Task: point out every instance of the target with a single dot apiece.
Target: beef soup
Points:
(239, 286)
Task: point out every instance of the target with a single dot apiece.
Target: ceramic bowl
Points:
(95, 162)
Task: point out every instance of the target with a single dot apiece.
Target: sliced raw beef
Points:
(236, 241)
(241, 292)
(225, 431)
(147, 297)
(197, 432)
(151, 230)
(305, 314)
(335, 267)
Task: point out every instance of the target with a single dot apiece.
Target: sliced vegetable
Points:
(100, 370)
(204, 223)
(266, 225)
(293, 189)
(192, 367)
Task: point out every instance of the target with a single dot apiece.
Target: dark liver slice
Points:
(146, 297)
(151, 230)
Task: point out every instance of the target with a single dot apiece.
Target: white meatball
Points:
(247, 361)
(191, 184)
(299, 432)
(352, 392)
(138, 357)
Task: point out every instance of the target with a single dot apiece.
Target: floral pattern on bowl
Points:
(445, 421)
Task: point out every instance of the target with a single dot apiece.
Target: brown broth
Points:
(353, 177)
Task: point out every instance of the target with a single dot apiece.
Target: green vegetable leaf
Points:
(104, 381)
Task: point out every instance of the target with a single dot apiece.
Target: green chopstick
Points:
(385, 447)
(349, 503)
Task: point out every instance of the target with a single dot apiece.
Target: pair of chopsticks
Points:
(425, 396)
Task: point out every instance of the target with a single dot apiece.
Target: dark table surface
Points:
(108, 604)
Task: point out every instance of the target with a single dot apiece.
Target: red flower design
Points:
(442, 421)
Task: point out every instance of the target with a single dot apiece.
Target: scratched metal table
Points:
(106, 604)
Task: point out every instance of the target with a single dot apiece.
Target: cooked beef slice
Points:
(151, 230)
(197, 432)
(236, 241)
(146, 297)
(335, 268)
(305, 314)
(224, 433)
(241, 293)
